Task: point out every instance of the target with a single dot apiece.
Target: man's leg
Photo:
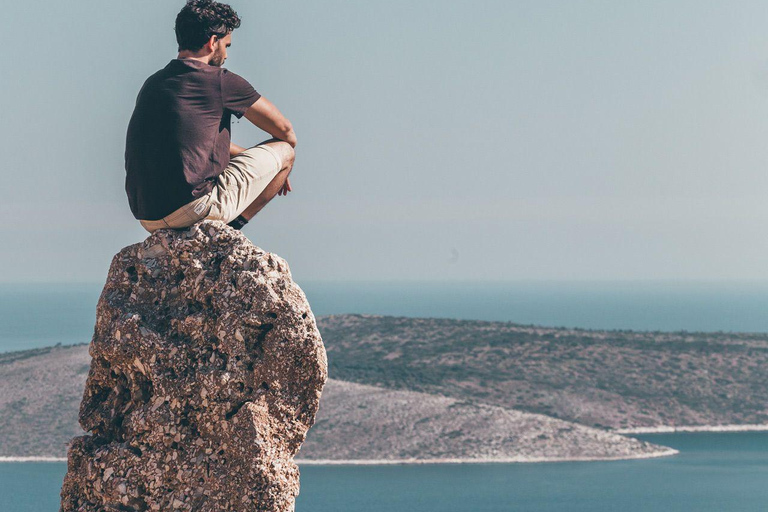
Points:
(287, 157)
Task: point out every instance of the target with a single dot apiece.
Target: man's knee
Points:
(285, 151)
(289, 156)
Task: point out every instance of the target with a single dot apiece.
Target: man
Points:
(181, 166)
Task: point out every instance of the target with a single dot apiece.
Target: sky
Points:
(438, 140)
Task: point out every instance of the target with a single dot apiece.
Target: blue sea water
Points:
(37, 315)
(715, 472)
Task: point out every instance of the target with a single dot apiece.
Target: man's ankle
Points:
(238, 222)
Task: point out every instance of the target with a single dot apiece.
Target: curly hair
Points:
(200, 19)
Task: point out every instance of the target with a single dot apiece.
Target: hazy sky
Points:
(437, 140)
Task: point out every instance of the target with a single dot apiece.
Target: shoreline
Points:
(507, 460)
(661, 429)
(381, 462)
(671, 429)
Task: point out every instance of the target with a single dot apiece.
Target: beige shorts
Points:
(246, 176)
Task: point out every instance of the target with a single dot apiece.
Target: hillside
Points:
(357, 421)
(40, 392)
(610, 379)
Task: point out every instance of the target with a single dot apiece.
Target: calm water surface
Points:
(720, 472)
(38, 315)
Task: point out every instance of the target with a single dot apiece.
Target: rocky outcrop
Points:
(206, 373)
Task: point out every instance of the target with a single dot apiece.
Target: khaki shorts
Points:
(246, 176)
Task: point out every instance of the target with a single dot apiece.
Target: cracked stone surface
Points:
(206, 374)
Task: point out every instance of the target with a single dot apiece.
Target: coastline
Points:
(380, 462)
(670, 429)
(507, 460)
(661, 429)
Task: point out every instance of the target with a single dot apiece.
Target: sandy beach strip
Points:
(379, 462)
(508, 460)
(669, 429)
(662, 429)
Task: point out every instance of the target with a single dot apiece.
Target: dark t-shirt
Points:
(179, 133)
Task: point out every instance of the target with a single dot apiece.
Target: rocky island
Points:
(41, 389)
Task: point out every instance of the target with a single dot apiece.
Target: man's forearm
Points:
(290, 137)
(285, 134)
(234, 149)
(265, 115)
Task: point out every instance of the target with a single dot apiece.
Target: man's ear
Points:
(211, 43)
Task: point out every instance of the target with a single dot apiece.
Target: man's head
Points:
(205, 27)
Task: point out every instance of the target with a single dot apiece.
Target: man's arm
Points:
(265, 115)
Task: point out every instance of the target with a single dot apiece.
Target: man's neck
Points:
(193, 56)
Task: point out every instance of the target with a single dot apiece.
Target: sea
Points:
(717, 472)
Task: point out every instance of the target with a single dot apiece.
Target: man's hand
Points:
(265, 115)
(286, 188)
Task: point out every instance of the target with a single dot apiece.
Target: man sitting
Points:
(181, 166)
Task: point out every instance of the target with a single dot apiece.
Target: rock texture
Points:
(206, 373)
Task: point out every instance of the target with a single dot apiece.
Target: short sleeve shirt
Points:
(179, 134)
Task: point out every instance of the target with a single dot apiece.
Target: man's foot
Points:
(238, 222)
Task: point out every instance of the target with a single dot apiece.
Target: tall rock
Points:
(206, 373)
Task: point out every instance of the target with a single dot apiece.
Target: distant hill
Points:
(404, 388)
(605, 379)
(40, 392)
